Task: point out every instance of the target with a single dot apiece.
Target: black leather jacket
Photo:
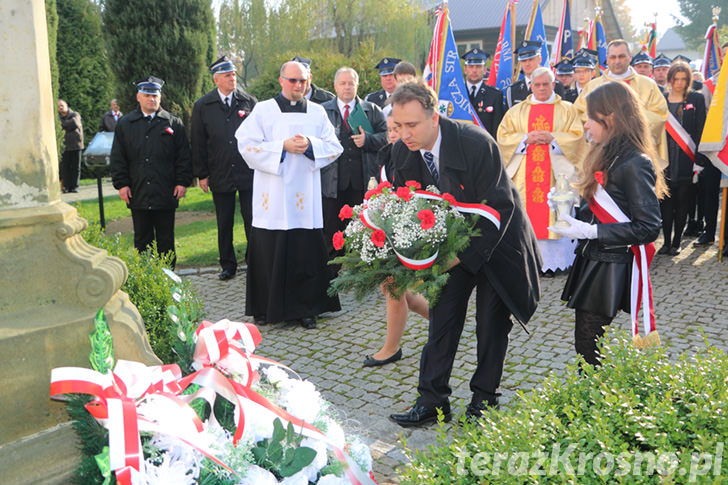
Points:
(631, 183)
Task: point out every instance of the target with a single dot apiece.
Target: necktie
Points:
(472, 91)
(430, 162)
(346, 116)
(227, 102)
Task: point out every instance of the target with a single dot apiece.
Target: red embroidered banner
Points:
(538, 170)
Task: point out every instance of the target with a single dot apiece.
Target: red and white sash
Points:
(607, 211)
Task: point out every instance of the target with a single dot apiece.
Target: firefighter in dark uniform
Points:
(150, 167)
(386, 77)
(584, 62)
(565, 70)
(487, 101)
(216, 160)
(529, 55)
(313, 92)
(642, 63)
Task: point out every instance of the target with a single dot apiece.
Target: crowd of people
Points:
(293, 161)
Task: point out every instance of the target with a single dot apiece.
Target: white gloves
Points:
(577, 229)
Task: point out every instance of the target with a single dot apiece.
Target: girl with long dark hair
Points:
(621, 184)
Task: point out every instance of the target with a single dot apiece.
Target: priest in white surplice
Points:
(286, 141)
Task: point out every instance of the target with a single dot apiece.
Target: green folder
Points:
(358, 118)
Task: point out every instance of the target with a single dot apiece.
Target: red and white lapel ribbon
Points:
(607, 211)
(479, 209)
(682, 138)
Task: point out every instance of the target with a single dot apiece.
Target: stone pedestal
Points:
(52, 282)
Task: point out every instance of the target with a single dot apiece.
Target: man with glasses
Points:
(287, 140)
(648, 92)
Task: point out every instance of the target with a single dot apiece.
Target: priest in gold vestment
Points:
(648, 92)
(540, 139)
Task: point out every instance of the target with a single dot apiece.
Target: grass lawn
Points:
(196, 242)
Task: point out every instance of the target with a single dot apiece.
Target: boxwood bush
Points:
(640, 418)
(148, 288)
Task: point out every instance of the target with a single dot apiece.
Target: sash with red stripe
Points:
(681, 137)
(607, 211)
(538, 170)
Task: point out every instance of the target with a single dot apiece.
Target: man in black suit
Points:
(529, 55)
(502, 264)
(109, 119)
(313, 92)
(345, 180)
(387, 79)
(584, 62)
(487, 101)
(217, 161)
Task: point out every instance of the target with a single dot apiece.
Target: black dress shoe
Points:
(476, 410)
(260, 320)
(308, 322)
(664, 250)
(419, 415)
(692, 229)
(226, 274)
(674, 251)
(370, 361)
(704, 241)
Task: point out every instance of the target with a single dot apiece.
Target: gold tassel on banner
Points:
(637, 341)
(651, 340)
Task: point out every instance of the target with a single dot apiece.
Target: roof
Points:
(671, 41)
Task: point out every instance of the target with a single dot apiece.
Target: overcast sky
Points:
(644, 11)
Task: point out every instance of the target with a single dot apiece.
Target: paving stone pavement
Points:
(690, 303)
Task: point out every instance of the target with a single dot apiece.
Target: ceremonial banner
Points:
(444, 74)
(712, 56)
(651, 41)
(598, 42)
(538, 33)
(713, 142)
(563, 47)
(538, 170)
(501, 70)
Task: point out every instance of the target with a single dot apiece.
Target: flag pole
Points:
(721, 236)
(513, 38)
(529, 30)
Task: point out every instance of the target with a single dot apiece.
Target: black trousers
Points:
(151, 225)
(225, 214)
(589, 328)
(674, 210)
(71, 169)
(711, 191)
(447, 318)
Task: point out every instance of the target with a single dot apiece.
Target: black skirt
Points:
(598, 287)
(287, 275)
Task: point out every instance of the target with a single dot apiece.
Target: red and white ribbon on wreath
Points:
(607, 211)
(479, 209)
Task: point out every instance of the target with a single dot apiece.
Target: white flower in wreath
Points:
(335, 433)
(256, 475)
(333, 480)
(275, 375)
(361, 454)
(301, 399)
(319, 461)
(170, 471)
(258, 423)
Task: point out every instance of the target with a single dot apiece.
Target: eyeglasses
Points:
(294, 80)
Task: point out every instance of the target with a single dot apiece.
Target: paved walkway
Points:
(691, 301)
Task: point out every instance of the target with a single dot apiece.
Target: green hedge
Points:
(640, 418)
(148, 288)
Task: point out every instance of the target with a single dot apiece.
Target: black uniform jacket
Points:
(150, 157)
(214, 146)
(108, 123)
(472, 171)
(680, 169)
(488, 105)
(372, 143)
(320, 96)
(377, 97)
(631, 183)
(518, 92)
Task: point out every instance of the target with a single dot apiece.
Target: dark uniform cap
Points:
(585, 58)
(662, 61)
(641, 58)
(475, 57)
(681, 57)
(149, 85)
(564, 67)
(386, 65)
(528, 49)
(303, 60)
(224, 64)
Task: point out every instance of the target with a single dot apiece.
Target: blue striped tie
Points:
(430, 162)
